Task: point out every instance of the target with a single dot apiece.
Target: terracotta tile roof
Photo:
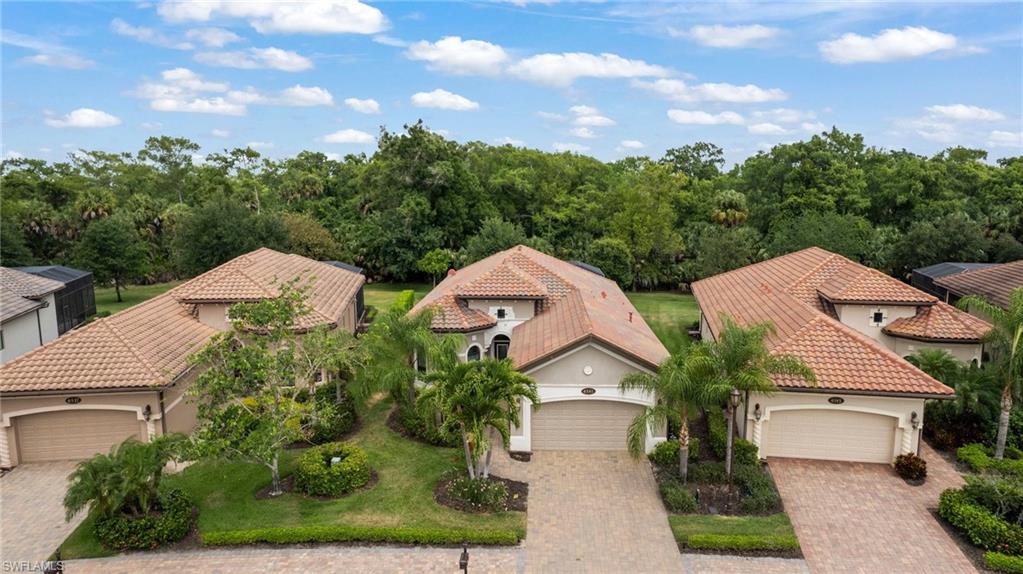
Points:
(940, 322)
(148, 345)
(504, 281)
(993, 283)
(780, 290)
(452, 315)
(855, 283)
(20, 292)
(576, 305)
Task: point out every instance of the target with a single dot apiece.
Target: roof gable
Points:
(993, 283)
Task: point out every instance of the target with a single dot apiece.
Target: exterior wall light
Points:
(914, 419)
(758, 412)
(147, 413)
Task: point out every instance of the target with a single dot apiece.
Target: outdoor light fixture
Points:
(914, 419)
(463, 560)
(733, 399)
(147, 413)
(757, 412)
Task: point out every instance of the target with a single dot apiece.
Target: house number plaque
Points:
(836, 400)
(73, 400)
(589, 391)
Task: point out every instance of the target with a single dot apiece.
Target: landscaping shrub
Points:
(742, 542)
(415, 425)
(343, 533)
(666, 453)
(759, 493)
(717, 430)
(481, 493)
(1004, 563)
(676, 497)
(315, 475)
(979, 458)
(707, 472)
(1001, 495)
(170, 523)
(404, 301)
(981, 526)
(745, 452)
(336, 418)
(911, 467)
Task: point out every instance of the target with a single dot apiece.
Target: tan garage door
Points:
(582, 425)
(831, 435)
(71, 435)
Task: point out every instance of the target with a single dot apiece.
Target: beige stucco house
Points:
(569, 328)
(28, 314)
(126, 375)
(853, 326)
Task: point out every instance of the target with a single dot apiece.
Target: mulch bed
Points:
(520, 456)
(288, 485)
(715, 498)
(518, 495)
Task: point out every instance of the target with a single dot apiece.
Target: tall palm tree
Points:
(1006, 343)
(684, 382)
(474, 398)
(743, 361)
(399, 342)
(937, 363)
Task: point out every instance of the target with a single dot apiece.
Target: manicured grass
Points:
(669, 314)
(739, 533)
(402, 498)
(381, 295)
(106, 297)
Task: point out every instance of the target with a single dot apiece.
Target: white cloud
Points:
(702, 118)
(182, 90)
(257, 58)
(583, 110)
(390, 41)
(67, 60)
(551, 116)
(729, 36)
(216, 105)
(510, 141)
(890, 44)
(348, 137)
(784, 115)
(12, 154)
(260, 145)
(678, 90)
(212, 37)
(589, 116)
(151, 126)
(999, 138)
(453, 55)
(47, 53)
(367, 106)
(333, 156)
(147, 35)
(219, 133)
(83, 118)
(563, 69)
(444, 100)
(932, 128)
(295, 17)
(583, 132)
(631, 144)
(766, 128)
(813, 127)
(305, 96)
(963, 112)
(570, 146)
(187, 79)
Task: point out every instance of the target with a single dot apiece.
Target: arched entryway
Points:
(499, 346)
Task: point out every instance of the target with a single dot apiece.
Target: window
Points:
(501, 313)
(1, 340)
(473, 354)
(878, 317)
(420, 362)
(499, 346)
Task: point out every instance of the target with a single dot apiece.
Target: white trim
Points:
(174, 403)
(594, 345)
(87, 407)
(902, 424)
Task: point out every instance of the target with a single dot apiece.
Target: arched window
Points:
(499, 346)
(473, 354)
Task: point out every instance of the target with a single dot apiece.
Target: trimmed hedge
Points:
(1004, 563)
(742, 542)
(982, 527)
(666, 453)
(979, 458)
(416, 426)
(676, 497)
(759, 493)
(743, 451)
(341, 533)
(122, 532)
(404, 301)
(315, 475)
(337, 417)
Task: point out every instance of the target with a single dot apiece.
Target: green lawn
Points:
(381, 295)
(669, 314)
(106, 297)
(403, 496)
(771, 534)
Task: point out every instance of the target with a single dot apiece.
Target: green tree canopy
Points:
(111, 249)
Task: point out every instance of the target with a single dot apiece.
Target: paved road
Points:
(32, 513)
(863, 518)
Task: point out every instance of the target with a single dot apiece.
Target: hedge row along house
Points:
(126, 375)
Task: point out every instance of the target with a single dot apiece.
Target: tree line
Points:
(422, 203)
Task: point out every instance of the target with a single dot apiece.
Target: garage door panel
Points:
(582, 425)
(72, 435)
(830, 435)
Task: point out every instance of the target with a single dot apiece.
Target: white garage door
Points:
(831, 435)
(72, 435)
(582, 425)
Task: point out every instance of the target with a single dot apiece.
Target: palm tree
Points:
(474, 398)
(743, 361)
(937, 363)
(398, 342)
(1006, 341)
(684, 382)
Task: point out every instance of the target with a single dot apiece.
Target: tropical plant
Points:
(937, 363)
(1006, 341)
(474, 399)
(127, 479)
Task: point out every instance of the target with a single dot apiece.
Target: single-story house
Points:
(28, 316)
(923, 278)
(853, 326)
(76, 302)
(993, 283)
(566, 326)
(126, 375)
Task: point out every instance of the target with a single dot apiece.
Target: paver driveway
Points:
(863, 518)
(32, 512)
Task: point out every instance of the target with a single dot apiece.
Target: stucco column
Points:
(757, 430)
(150, 430)
(5, 453)
(907, 440)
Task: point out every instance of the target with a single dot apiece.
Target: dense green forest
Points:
(422, 203)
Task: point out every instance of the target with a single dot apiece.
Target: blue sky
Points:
(605, 79)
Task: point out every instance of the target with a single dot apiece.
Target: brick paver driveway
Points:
(32, 512)
(863, 518)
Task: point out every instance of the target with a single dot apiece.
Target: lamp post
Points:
(463, 560)
(733, 403)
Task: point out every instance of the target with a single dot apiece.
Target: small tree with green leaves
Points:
(436, 262)
(248, 393)
(112, 250)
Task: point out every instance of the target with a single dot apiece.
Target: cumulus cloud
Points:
(304, 96)
(1000, 138)
(589, 116)
(510, 141)
(728, 36)
(453, 55)
(562, 70)
(570, 146)
(631, 144)
(219, 133)
(67, 60)
(260, 145)
(293, 17)
(348, 137)
(702, 118)
(212, 37)
(551, 116)
(813, 127)
(766, 128)
(444, 100)
(83, 118)
(583, 132)
(390, 41)
(367, 106)
(47, 53)
(151, 126)
(963, 112)
(257, 58)
(147, 35)
(891, 44)
(680, 91)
